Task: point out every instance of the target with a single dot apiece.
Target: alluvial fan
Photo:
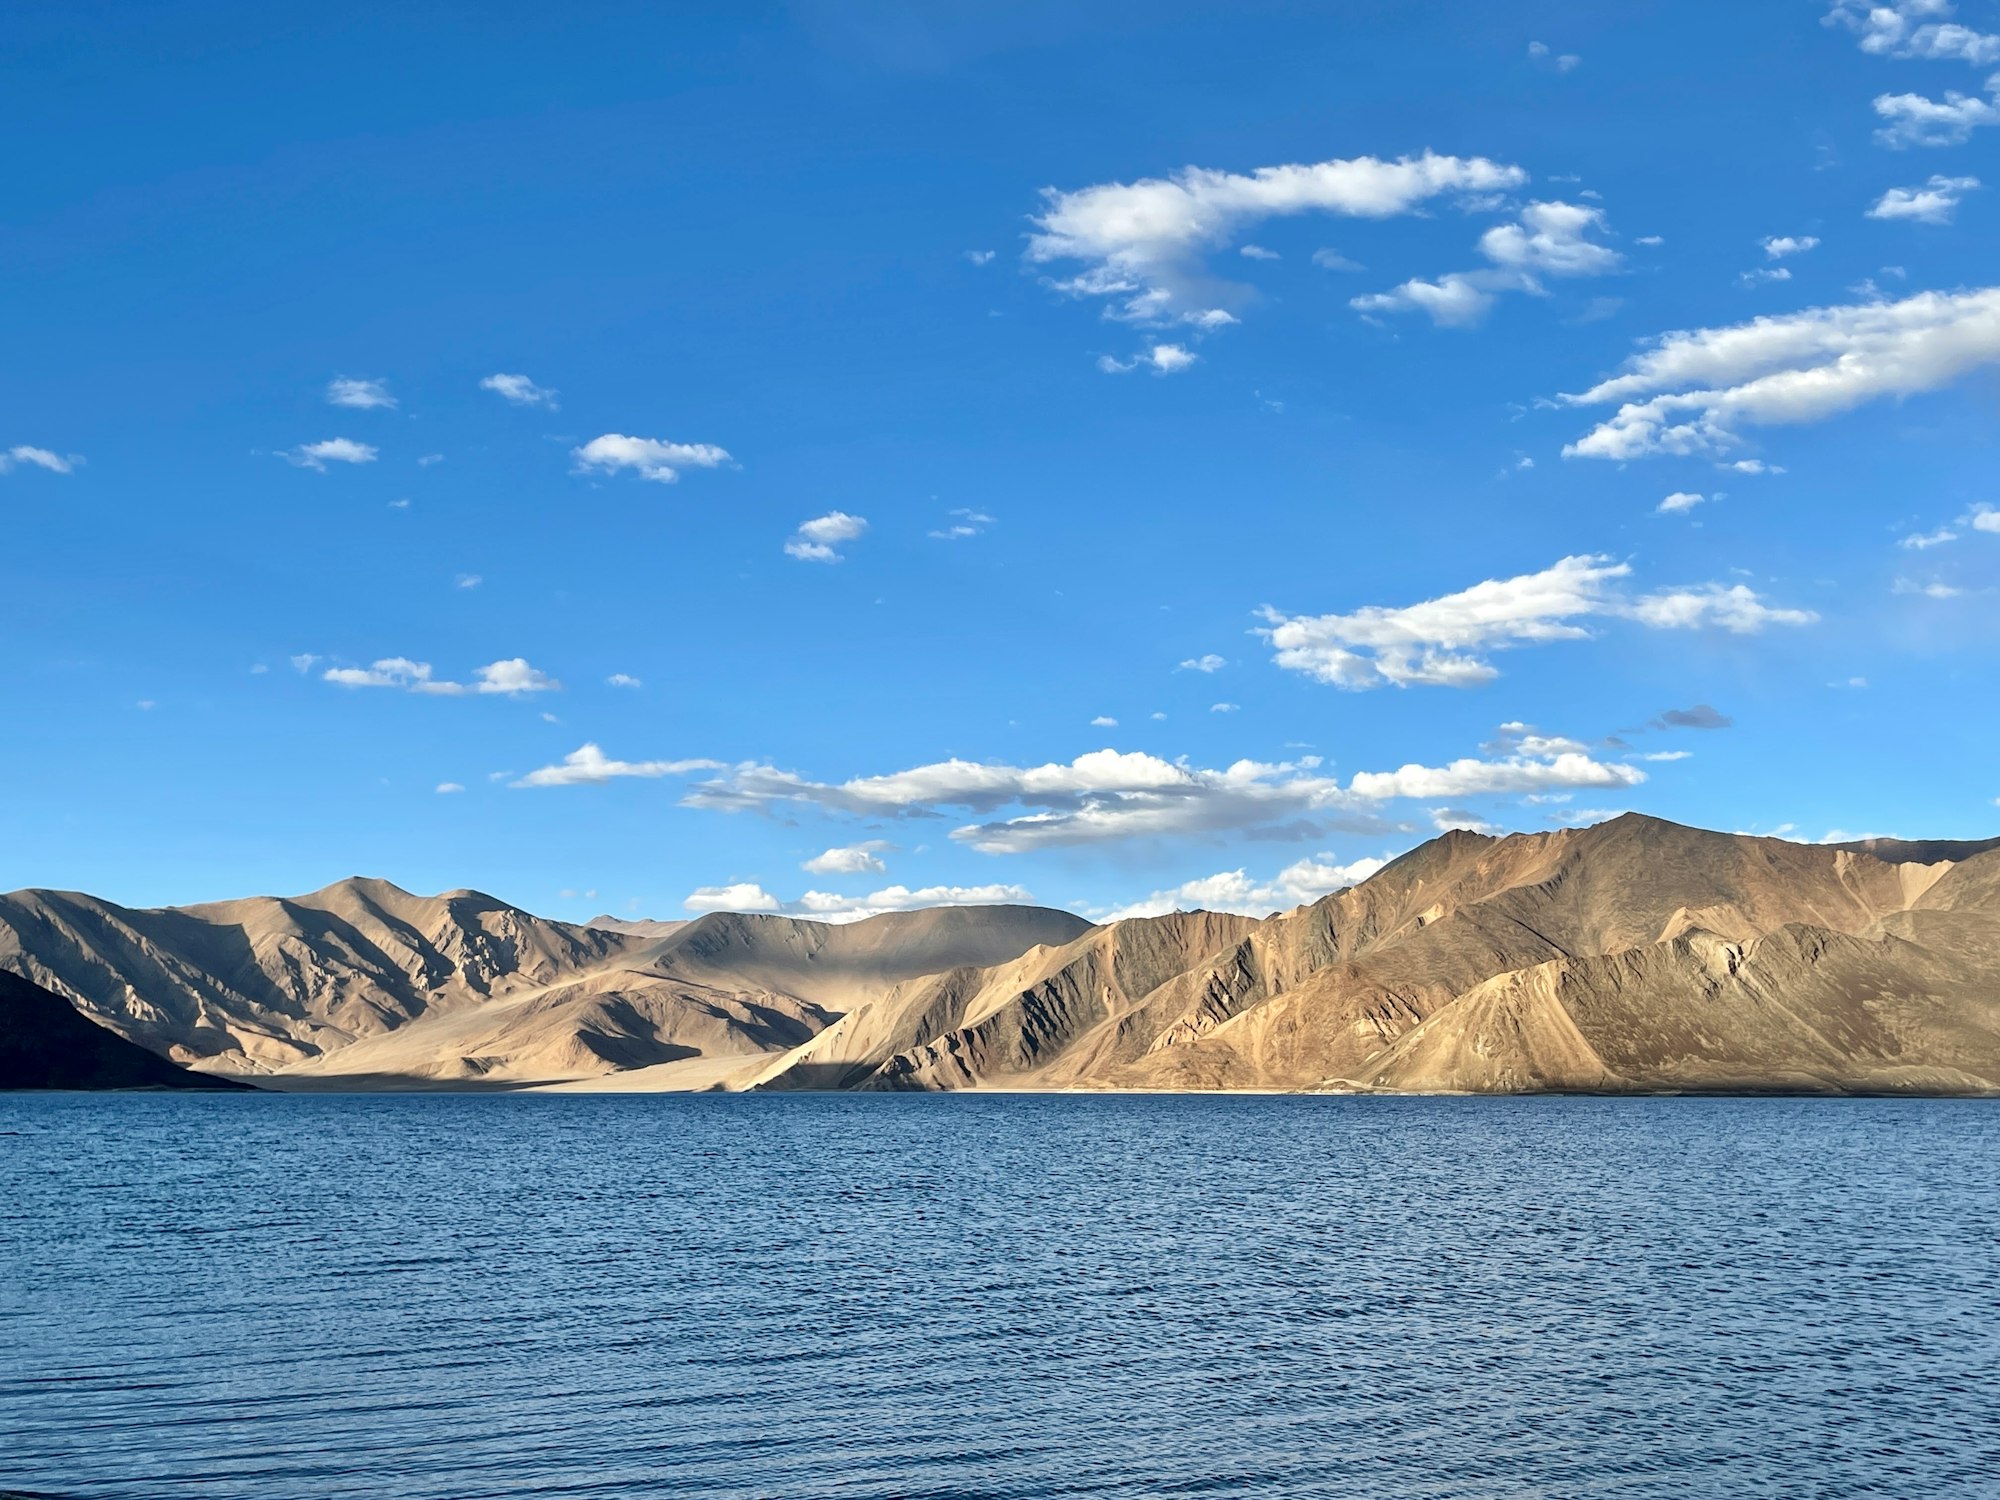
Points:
(447, 1297)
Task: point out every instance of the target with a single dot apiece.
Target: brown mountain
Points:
(46, 1044)
(1635, 955)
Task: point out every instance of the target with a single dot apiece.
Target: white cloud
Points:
(1329, 259)
(743, 897)
(623, 680)
(1763, 274)
(1145, 243)
(1678, 502)
(1778, 246)
(1751, 466)
(1110, 795)
(587, 765)
(965, 522)
(1236, 891)
(824, 906)
(1442, 642)
(1208, 663)
(1224, 708)
(363, 395)
(1933, 203)
(40, 458)
(1548, 239)
(1914, 120)
(979, 257)
(1691, 390)
(1562, 62)
(332, 451)
(649, 458)
(1923, 541)
(818, 540)
(1104, 721)
(1258, 252)
(1650, 240)
(1938, 590)
(469, 580)
(1466, 778)
(519, 390)
(1665, 755)
(850, 859)
(1984, 518)
(424, 461)
(512, 677)
(1161, 359)
(447, 787)
(1913, 28)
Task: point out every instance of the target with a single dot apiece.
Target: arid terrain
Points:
(1633, 956)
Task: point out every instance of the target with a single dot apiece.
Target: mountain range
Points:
(1633, 956)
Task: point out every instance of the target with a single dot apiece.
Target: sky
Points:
(837, 457)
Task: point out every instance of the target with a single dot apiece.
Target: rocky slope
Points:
(46, 1044)
(365, 983)
(1634, 955)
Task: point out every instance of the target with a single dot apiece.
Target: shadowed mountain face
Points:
(46, 1044)
(1635, 955)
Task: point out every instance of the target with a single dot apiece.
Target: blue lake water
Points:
(458, 1296)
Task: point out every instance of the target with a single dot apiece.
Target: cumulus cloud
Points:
(1161, 359)
(1297, 884)
(38, 458)
(331, 451)
(1209, 663)
(1690, 391)
(649, 458)
(519, 390)
(363, 395)
(448, 787)
(587, 765)
(1914, 120)
(1678, 503)
(1750, 466)
(623, 680)
(1110, 795)
(512, 677)
(819, 539)
(850, 859)
(1933, 203)
(1548, 239)
(1443, 642)
(1145, 244)
(1763, 274)
(1984, 518)
(825, 906)
(1915, 29)
(1778, 246)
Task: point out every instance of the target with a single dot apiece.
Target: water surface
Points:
(452, 1296)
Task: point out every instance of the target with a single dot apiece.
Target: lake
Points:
(457, 1296)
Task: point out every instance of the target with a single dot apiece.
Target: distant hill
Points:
(46, 1044)
(1637, 955)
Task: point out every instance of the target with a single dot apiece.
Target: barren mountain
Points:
(46, 1044)
(365, 983)
(1633, 955)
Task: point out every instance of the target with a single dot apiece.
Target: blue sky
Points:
(652, 458)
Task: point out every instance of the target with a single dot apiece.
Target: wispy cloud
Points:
(1935, 202)
(362, 395)
(331, 451)
(1690, 392)
(1160, 359)
(1548, 239)
(512, 677)
(587, 765)
(1445, 642)
(519, 390)
(38, 458)
(965, 522)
